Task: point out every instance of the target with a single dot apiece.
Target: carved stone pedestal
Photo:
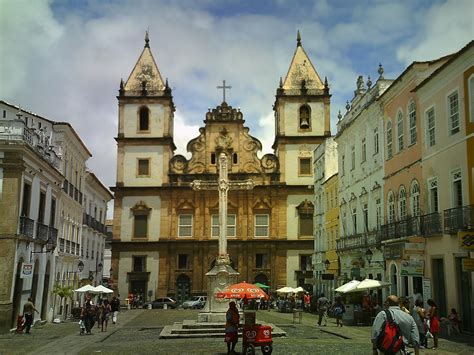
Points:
(219, 277)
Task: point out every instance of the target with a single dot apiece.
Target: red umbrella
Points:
(242, 290)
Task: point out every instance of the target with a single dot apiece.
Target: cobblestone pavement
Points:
(137, 333)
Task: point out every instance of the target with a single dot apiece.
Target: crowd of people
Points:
(99, 312)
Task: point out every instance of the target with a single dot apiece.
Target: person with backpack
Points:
(323, 304)
(393, 329)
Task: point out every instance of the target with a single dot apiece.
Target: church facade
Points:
(165, 234)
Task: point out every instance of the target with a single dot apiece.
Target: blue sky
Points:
(64, 59)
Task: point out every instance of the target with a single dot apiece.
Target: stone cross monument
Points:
(222, 274)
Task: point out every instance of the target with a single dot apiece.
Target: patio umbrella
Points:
(242, 290)
(347, 287)
(103, 289)
(369, 284)
(299, 289)
(258, 284)
(286, 289)
(86, 288)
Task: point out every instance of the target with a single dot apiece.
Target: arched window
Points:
(412, 121)
(391, 207)
(305, 117)
(415, 198)
(400, 131)
(144, 118)
(402, 203)
(389, 140)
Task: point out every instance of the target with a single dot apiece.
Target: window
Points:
(183, 262)
(457, 188)
(305, 214)
(42, 206)
(415, 199)
(143, 167)
(231, 224)
(412, 122)
(354, 220)
(364, 151)
(25, 205)
(261, 261)
(389, 140)
(400, 131)
(140, 220)
(185, 225)
(144, 118)
(433, 192)
(391, 207)
(52, 216)
(305, 263)
(213, 158)
(430, 126)
(402, 203)
(453, 107)
(261, 225)
(376, 141)
(365, 212)
(139, 263)
(305, 166)
(378, 212)
(342, 164)
(353, 158)
(344, 223)
(305, 115)
(234, 158)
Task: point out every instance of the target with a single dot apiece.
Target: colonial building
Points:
(30, 190)
(403, 232)
(165, 233)
(361, 159)
(326, 211)
(445, 100)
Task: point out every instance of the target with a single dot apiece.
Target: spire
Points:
(301, 69)
(147, 40)
(121, 90)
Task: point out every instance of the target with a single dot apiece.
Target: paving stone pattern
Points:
(137, 333)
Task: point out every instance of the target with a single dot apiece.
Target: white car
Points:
(196, 302)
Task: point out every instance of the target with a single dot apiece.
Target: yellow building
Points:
(332, 227)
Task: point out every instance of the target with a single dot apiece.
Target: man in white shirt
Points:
(404, 320)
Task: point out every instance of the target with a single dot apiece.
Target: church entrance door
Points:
(183, 288)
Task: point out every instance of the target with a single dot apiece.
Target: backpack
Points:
(389, 340)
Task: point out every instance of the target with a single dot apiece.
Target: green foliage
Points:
(63, 291)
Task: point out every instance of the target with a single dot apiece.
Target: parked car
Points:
(196, 302)
(159, 302)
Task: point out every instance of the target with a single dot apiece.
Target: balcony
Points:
(42, 232)
(61, 244)
(71, 190)
(358, 241)
(65, 185)
(407, 227)
(53, 238)
(27, 226)
(431, 224)
(458, 218)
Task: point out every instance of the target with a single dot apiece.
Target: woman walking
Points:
(231, 327)
(106, 314)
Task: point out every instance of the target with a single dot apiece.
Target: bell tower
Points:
(145, 129)
(302, 117)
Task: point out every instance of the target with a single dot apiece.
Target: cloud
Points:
(445, 29)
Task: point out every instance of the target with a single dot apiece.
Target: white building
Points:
(360, 164)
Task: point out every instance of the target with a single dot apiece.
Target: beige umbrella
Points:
(286, 289)
(347, 287)
(370, 284)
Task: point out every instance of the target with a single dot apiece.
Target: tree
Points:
(63, 292)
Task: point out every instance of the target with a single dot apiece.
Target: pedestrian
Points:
(307, 302)
(323, 304)
(406, 323)
(115, 308)
(28, 309)
(338, 310)
(434, 322)
(88, 314)
(106, 310)
(454, 321)
(418, 314)
(231, 327)
(405, 305)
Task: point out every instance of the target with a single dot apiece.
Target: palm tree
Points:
(64, 292)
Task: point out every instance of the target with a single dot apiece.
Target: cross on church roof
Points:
(223, 87)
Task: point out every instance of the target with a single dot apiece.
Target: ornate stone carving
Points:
(178, 164)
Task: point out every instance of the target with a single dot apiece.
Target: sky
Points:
(64, 59)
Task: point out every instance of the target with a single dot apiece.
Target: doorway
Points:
(44, 302)
(183, 288)
(17, 293)
(34, 285)
(465, 295)
(439, 285)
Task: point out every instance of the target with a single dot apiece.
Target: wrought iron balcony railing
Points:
(27, 226)
(458, 218)
(42, 232)
(431, 224)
